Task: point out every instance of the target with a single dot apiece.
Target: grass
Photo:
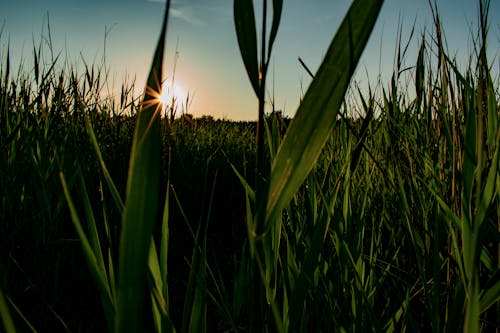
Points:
(383, 222)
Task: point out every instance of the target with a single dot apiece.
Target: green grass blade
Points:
(318, 111)
(198, 320)
(193, 285)
(420, 75)
(305, 278)
(457, 223)
(490, 188)
(91, 223)
(96, 267)
(469, 162)
(107, 176)
(391, 325)
(158, 272)
(143, 188)
(244, 183)
(310, 264)
(490, 297)
(105, 285)
(246, 32)
(8, 323)
(197, 285)
(273, 138)
(21, 315)
(157, 286)
(362, 135)
(277, 10)
(493, 115)
(165, 234)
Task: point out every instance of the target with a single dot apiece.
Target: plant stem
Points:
(261, 172)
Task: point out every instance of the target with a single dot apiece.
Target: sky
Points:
(201, 36)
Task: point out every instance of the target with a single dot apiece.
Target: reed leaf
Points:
(159, 272)
(420, 76)
(490, 297)
(155, 287)
(94, 260)
(318, 111)
(469, 162)
(277, 9)
(246, 32)
(107, 176)
(142, 193)
(490, 189)
(158, 290)
(311, 261)
(8, 323)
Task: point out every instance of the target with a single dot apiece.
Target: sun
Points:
(172, 94)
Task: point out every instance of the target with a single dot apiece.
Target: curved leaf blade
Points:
(246, 32)
(142, 199)
(490, 297)
(318, 111)
(277, 9)
(8, 323)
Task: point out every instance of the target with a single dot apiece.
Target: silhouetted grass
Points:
(385, 222)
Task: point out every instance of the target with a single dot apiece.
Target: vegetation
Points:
(114, 217)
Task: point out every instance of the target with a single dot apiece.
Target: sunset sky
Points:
(209, 64)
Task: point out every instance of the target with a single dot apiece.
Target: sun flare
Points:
(172, 94)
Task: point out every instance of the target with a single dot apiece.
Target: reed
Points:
(386, 222)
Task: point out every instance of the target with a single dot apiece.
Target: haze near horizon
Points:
(202, 43)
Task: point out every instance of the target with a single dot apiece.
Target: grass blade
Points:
(159, 276)
(246, 32)
(277, 9)
(107, 176)
(469, 162)
(318, 111)
(94, 264)
(490, 297)
(142, 195)
(21, 315)
(198, 319)
(8, 323)
(305, 277)
(159, 298)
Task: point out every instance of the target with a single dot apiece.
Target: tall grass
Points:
(386, 222)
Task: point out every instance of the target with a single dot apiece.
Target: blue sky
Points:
(209, 64)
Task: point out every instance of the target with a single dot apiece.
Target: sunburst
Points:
(165, 96)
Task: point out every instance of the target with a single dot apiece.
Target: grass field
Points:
(376, 215)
